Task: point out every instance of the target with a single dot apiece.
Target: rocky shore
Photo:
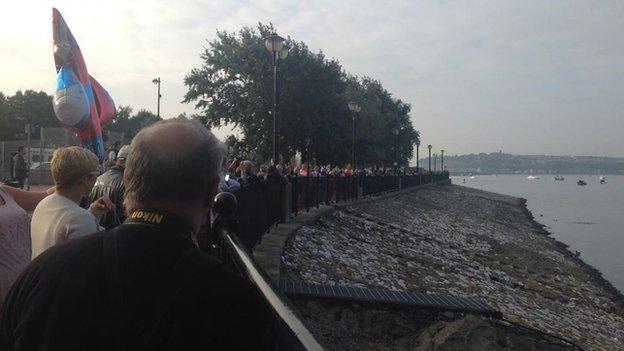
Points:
(452, 239)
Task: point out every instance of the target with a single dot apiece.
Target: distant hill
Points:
(501, 163)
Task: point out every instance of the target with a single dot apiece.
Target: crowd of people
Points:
(245, 171)
(75, 277)
(112, 260)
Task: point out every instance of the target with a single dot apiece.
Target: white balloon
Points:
(71, 105)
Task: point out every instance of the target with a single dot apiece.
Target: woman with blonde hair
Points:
(59, 217)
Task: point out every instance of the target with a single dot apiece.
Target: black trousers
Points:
(21, 179)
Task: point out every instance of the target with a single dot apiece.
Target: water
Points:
(590, 219)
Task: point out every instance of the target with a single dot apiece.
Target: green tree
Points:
(25, 107)
(142, 119)
(131, 124)
(381, 116)
(234, 86)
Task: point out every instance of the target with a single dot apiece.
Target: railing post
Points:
(360, 188)
(295, 194)
(287, 330)
(287, 202)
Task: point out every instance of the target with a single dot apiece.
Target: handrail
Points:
(292, 327)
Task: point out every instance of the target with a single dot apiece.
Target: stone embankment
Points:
(455, 240)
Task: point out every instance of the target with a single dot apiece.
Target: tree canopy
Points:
(130, 124)
(36, 108)
(25, 107)
(234, 86)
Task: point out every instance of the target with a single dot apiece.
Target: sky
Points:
(524, 77)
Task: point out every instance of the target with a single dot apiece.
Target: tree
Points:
(142, 119)
(131, 124)
(379, 118)
(25, 107)
(234, 86)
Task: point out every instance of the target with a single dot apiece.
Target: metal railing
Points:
(240, 224)
(262, 204)
(287, 331)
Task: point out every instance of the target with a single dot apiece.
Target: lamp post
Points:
(275, 44)
(429, 146)
(417, 156)
(435, 158)
(157, 82)
(354, 108)
(29, 128)
(395, 131)
(442, 160)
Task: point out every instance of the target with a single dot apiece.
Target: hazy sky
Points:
(530, 77)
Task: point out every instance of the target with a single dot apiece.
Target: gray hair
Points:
(164, 169)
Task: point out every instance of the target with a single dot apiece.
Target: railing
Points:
(263, 204)
(239, 225)
(286, 331)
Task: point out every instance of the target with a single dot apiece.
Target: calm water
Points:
(590, 219)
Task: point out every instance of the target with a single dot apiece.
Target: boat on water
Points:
(581, 182)
(532, 177)
(559, 178)
(602, 180)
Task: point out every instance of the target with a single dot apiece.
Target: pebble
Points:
(444, 239)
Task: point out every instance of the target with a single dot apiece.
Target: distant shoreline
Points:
(467, 174)
(502, 163)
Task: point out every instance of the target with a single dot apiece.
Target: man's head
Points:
(122, 155)
(74, 167)
(247, 167)
(173, 164)
(21, 150)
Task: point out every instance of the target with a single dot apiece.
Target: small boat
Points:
(472, 177)
(602, 179)
(581, 182)
(559, 178)
(532, 177)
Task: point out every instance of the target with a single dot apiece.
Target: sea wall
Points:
(463, 241)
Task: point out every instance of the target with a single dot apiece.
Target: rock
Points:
(444, 239)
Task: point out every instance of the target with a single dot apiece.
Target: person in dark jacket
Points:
(144, 285)
(111, 184)
(20, 167)
(247, 173)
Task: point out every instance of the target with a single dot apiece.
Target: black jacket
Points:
(136, 287)
(20, 168)
(111, 184)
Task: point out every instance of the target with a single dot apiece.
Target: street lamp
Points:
(435, 158)
(275, 44)
(429, 146)
(442, 160)
(417, 156)
(395, 131)
(157, 82)
(354, 108)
